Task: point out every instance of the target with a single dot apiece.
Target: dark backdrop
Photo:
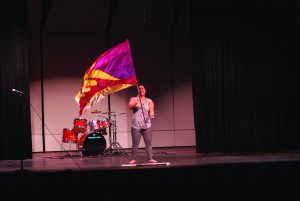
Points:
(15, 137)
(244, 76)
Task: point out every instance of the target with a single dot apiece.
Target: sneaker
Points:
(132, 162)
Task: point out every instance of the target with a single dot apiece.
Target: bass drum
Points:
(92, 144)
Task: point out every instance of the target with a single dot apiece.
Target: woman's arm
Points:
(132, 102)
(151, 109)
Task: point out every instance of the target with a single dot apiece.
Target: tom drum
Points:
(69, 135)
(95, 125)
(80, 125)
(104, 123)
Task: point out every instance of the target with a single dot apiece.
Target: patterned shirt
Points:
(140, 117)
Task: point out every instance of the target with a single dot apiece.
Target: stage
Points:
(180, 173)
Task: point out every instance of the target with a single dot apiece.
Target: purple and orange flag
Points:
(111, 72)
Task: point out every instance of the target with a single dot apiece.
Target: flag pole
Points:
(137, 87)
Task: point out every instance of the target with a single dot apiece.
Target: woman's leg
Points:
(147, 136)
(136, 136)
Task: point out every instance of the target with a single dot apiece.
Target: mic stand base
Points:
(22, 170)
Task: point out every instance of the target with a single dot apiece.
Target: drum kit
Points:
(89, 135)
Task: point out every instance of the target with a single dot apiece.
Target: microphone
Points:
(14, 90)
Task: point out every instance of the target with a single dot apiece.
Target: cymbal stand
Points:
(114, 147)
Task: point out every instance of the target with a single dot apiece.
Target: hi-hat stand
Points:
(114, 147)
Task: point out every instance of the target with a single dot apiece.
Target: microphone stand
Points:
(21, 93)
(22, 138)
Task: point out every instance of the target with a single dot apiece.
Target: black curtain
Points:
(15, 135)
(244, 76)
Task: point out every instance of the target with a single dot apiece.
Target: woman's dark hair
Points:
(147, 93)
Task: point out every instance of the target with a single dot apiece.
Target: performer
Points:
(143, 112)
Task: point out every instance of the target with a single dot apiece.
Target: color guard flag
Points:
(111, 72)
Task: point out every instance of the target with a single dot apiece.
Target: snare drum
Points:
(92, 144)
(80, 125)
(69, 135)
(95, 125)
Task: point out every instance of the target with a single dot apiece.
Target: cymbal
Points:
(96, 111)
(107, 112)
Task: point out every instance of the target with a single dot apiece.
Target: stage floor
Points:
(181, 174)
(118, 159)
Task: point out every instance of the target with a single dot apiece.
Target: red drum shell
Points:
(69, 135)
(80, 125)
